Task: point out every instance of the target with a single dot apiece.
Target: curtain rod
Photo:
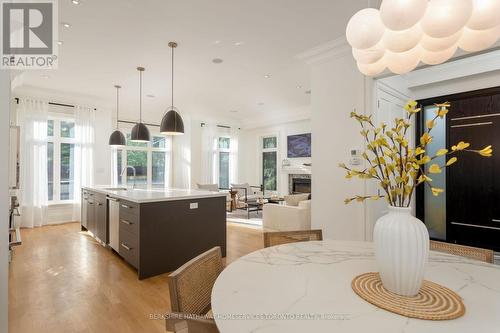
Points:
(53, 103)
(220, 126)
(135, 122)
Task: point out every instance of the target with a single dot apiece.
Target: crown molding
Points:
(330, 50)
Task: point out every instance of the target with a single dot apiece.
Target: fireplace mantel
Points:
(296, 170)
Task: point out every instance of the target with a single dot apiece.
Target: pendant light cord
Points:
(140, 97)
(172, 78)
(117, 107)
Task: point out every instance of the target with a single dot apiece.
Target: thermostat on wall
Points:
(355, 157)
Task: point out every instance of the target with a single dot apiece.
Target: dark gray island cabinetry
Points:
(157, 234)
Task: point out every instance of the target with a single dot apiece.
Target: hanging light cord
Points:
(172, 78)
(140, 96)
(117, 107)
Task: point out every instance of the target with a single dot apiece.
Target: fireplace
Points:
(299, 184)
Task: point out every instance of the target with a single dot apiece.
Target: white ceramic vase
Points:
(401, 251)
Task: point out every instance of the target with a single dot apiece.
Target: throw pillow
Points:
(294, 199)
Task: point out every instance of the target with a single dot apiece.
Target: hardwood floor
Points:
(61, 280)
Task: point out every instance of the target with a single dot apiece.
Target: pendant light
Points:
(171, 123)
(117, 139)
(140, 132)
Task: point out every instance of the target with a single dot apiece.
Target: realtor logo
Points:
(29, 32)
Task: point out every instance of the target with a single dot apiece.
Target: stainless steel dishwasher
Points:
(114, 221)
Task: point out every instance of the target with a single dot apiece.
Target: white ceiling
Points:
(110, 38)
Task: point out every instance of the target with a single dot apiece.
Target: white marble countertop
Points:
(313, 279)
(153, 195)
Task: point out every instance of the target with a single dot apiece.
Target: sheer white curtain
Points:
(181, 151)
(209, 174)
(32, 118)
(84, 154)
(233, 156)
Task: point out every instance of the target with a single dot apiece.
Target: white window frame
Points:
(149, 149)
(57, 140)
(261, 160)
(217, 163)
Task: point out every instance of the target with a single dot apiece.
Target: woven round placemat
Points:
(433, 302)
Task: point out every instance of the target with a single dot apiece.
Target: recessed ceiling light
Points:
(238, 43)
(76, 2)
(299, 87)
(217, 61)
(217, 42)
(260, 103)
(60, 42)
(308, 92)
(150, 96)
(267, 76)
(66, 25)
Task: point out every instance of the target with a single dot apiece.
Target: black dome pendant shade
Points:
(171, 123)
(140, 132)
(117, 139)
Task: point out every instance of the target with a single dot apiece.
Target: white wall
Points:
(4, 201)
(250, 160)
(337, 89)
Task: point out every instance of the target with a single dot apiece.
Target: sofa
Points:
(286, 217)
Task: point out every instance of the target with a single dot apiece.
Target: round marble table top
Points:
(306, 287)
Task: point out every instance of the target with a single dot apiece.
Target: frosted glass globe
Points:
(402, 14)
(403, 62)
(477, 40)
(402, 41)
(369, 56)
(435, 58)
(485, 15)
(443, 18)
(365, 29)
(372, 69)
(439, 44)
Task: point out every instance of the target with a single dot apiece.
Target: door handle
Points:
(113, 199)
(126, 247)
(126, 222)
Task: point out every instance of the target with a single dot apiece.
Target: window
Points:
(223, 151)
(60, 159)
(270, 163)
(151, 161)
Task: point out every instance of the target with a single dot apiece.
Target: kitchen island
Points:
(155, 231)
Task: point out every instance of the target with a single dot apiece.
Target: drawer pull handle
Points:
(99, 204)
(126, 247)
(495, 220)
(125, 206)
(126, 222)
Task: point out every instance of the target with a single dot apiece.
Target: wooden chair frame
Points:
(268, 236)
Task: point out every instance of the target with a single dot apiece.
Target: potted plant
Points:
(401, 240)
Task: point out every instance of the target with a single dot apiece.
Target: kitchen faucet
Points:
(133, 169)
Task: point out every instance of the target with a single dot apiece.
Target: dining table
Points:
(306, 287)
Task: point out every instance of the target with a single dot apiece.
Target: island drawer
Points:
(128, 208)
(129, 223)
(129, 247)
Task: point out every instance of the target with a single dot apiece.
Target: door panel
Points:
(473, 185)
(388, 108)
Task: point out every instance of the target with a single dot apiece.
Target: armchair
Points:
(246, 194)
(287, 218)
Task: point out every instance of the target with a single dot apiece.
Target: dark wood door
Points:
(91, 215)
(473, 183)
(101, 218)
